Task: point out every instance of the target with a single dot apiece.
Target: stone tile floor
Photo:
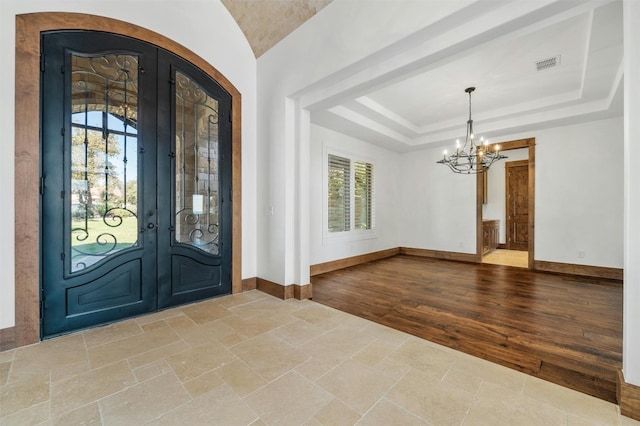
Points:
(251, 359)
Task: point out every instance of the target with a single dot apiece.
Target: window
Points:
(350, 184)
(363, 192)
(339, 194)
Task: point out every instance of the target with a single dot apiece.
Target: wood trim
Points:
(517, 144)
(27, 150)
(532, 199)
(236, 190)
(479, 228)
(302, 292)
(539, 265)
(628, 396)
(269, 287)
(7, 338)
(438, 254)
(284, 292)
(334, 265)
(582, 270)
(249, 284)
(27, 171)
(485, 189)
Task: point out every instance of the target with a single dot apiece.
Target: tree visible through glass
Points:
(104, 148)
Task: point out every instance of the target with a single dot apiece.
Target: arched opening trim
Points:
(27, 158)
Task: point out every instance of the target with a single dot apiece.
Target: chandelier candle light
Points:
(472, 158)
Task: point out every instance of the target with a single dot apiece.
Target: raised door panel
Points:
(517, 205)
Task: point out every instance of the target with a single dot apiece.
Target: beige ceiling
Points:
(266, 22)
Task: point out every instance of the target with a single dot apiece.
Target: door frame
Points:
(27, 156)
(529, 143)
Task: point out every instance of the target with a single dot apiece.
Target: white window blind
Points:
(363, 195)
(339, 213)
(350, 194)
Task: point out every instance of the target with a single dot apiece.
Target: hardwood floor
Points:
(564, 329)
(504, 257)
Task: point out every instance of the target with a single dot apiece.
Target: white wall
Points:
(578, 191)
(579, 194)
(342, 37)
(496, 192)
(324, 247)
(205, 27)
(631, 319)
(438, 206)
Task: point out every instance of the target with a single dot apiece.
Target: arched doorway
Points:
(27, 248)
(136, 168)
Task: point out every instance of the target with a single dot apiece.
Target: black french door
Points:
(135, 184)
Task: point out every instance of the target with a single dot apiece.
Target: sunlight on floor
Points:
(516, 258)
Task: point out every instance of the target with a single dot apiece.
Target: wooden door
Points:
(135, 184)
(517, 202)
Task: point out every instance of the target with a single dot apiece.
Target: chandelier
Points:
(472, 158)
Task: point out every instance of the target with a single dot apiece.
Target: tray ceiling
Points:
(419, 100)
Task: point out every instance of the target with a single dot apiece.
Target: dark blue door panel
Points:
(135, 168)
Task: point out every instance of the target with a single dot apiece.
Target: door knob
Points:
(151, 225)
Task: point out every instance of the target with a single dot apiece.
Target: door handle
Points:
(151, 225)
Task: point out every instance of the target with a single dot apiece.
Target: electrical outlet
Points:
(580, 254)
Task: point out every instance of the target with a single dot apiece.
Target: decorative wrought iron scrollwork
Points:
(102, 239)
(196, 166)
(104, 192)
(202, 235)
(104, 244)
(119, 73)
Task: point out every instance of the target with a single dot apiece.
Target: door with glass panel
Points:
(194, 182)
(135, 162)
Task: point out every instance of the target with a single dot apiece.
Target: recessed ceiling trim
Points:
(540, 119)
(371, 124)
(414, 54)
(440, 41)
(617, 82)
(347, 98)
(387, 113)
(587, 49)
(507, 111)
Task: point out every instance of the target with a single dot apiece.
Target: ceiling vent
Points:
(545, 64)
